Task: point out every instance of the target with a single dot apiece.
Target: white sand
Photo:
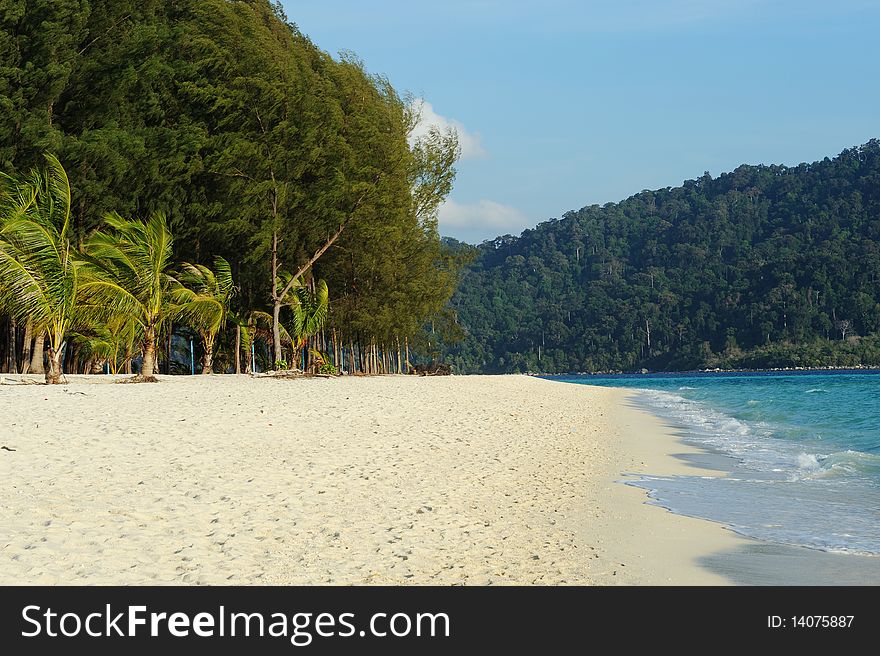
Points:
(448, 480)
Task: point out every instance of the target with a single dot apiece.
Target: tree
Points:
(127, 276)
(257, 145)
(38, 264)
(203, 300)
(432, 170)
(309, 305)
(376, 299)
(267, 98)
(39, 41)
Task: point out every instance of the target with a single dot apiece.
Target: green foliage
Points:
(126, 277)
(321, 363)
(127, 271)
(39, 272)
(204, 295)
(308, 304)
(202, 301)
(763, 266)
(101, 343)
(257, 146)
(433, 167)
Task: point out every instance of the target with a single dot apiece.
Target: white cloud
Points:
(471, 142)
(485, 217)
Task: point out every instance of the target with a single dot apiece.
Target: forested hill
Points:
(766, 266)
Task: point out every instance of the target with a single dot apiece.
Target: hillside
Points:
(761, 267)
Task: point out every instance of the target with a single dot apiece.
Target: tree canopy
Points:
(258, 146)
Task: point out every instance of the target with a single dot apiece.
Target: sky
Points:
(564, 103)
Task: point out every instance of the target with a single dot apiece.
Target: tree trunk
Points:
(208, 360)
(26, 347)
(37, 355)
(276, 297)
(276, 331)
(11, 366)
(55, 373)
(406, 350)
(237, 349)
(168, 346)
(149, 362)
(249, 355)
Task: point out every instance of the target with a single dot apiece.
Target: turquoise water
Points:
(803, 452)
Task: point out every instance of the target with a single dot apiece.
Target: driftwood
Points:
(432, 369)
(19, 381)
(281, 373)
(139, 378)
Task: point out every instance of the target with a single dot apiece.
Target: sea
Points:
(800, 452)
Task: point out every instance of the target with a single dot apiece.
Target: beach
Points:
(476, 480)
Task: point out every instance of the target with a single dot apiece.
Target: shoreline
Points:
(661, 547)
(742, 560)
(405, 480)
(774, 370)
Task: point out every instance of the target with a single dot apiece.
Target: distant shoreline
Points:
(856, 368)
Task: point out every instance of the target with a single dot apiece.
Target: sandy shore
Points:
(391, 480)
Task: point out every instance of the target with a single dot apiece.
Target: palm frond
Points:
(309, 309)
(38, 265)
(203, 297)
(223, 274)
(126, 274)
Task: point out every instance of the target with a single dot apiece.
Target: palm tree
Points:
(109, 342)
(203, 302)
(97, 346)
(309, 306)
(309, 310)
(39, 271)
(127, 276)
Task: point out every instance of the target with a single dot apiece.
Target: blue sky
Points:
(563, 104)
